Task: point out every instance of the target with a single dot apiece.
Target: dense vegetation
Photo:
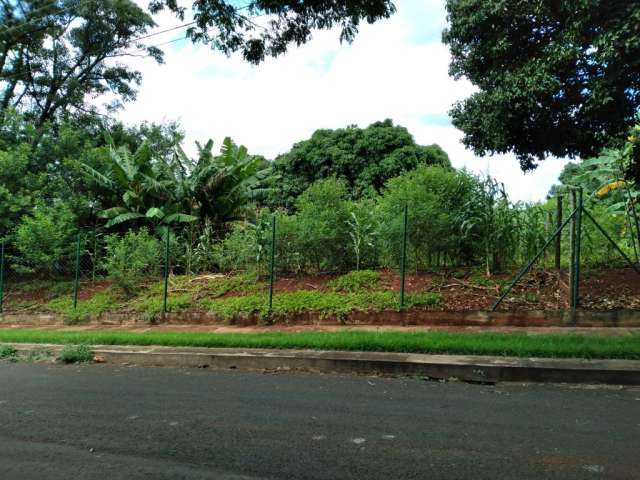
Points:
(124, 190)
(338, 198)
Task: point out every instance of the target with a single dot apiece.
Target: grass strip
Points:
(504, 344)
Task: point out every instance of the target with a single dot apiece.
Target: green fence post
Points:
(273, 262)
(578, 236)
(573, 202)
(95, 257)
(77, 273)
(558, 249)
(526, 268)
(166, 273)
(1, 276)
(403, 259)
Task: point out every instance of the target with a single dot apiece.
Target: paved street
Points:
(111, 422)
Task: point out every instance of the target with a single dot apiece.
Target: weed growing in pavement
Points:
(76, 354)
(8, 353)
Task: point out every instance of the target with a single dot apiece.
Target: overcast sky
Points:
(395, 69)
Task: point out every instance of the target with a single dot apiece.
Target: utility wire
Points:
(32, 20)
(178, 39)
(21, 74)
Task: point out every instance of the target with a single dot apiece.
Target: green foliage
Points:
(19, 187)
(205, 253)
(551, 77)
(103, 301)
(322, 219)
(76, 354)
(72, 55)
(245, 247)
(435, 197)
(329, 304)
(611, 194)
(363, 158)
(222, 24)
(237, 284)
(224, 186)
(363, 232)
(132, 258)
(153, 305)
(488, 222)
(147, 187)
(45, 241)
(356, 281)
(9, 353)
(502, 344)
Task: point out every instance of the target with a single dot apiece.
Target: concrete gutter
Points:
(463, 367)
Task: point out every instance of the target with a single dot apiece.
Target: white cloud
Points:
(390, 71)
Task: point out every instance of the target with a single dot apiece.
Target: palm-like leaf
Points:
(179, 218)
(124, 217)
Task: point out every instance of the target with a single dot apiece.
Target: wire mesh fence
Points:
(69, 273)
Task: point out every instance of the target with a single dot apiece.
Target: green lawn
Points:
(507, 344)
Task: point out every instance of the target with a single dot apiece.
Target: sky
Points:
(395, 68)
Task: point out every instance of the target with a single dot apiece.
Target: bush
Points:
(435, 197)
(246, 247)
(45, 241)
(76, 354)
(7, 352)
(132, 258)
(322, 226)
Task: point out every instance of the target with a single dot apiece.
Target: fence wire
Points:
(94, 260)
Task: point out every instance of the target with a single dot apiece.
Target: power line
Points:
(177, 27)
(248, 19)
(21, 74)
(32, 20)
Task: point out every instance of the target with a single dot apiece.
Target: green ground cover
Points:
(504, 344)
(235, 296)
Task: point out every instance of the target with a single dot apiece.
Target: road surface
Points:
(112, 422)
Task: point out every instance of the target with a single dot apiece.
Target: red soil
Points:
(607, 289)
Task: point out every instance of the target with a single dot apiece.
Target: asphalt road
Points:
(108, 422)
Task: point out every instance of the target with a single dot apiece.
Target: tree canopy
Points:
(364, 157)
(553, 78)
(230, 28)
(56, 57)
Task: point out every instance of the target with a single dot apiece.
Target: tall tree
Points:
(57, 56)
(230, 27)
(364, 157)
(554, 78)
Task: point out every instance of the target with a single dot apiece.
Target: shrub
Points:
(45, 241)
(246, 247)
(76, 354)
(205, 255)
(7, 352)
(356, 281)
(131, 258)
(435, 197)
(322, 223)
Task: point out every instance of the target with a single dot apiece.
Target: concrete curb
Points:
(463, 367)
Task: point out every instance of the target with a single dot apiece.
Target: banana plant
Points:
(147, 188)
(223, 188)
(605, 179)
